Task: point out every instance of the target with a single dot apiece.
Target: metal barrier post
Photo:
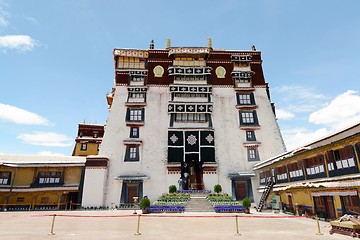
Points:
(52, 225)
(318, 226)
(138, 226)
(237, 226)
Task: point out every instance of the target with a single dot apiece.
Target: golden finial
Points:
(209, 41)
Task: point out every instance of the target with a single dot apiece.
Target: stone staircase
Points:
(198, 203)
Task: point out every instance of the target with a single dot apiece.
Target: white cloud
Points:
(284, 115)
(18, 42)
(342, 111)
(50, 139)
(49, 153)
(3, 15)
(30, 19)
(297, 137)
(17, 115)
(3, 22)
(296, 98)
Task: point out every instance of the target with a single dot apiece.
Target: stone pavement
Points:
(122, 224)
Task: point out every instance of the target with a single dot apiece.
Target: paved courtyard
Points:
(122, 224)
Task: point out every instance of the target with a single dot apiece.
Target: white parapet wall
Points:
(94, 187)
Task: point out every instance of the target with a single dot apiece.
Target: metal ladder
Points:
(268, 187)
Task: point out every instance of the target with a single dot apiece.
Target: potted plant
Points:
(144, 204)
(217, 188)
(246, 204)
(172, 189)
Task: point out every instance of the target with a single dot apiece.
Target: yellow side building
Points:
(40, 182)
(322, 177)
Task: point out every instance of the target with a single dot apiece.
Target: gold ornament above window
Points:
(220, 72)
(158, 71)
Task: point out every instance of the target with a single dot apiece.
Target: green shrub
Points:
(217, 188)
(144, 203)
(172, 189)
(246, 203)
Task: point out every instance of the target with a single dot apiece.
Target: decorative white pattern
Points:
(174, 138)
(191, 139)
(209, 138)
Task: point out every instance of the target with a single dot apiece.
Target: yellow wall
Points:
(92, 149)
(26, 176)
(72, 175)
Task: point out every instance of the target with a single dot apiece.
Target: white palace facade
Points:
(189, 116)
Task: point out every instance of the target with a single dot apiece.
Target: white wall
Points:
(94, 187)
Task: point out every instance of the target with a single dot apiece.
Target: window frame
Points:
(83, 147)
(253, 154)
(132, 153)
(132, 117)
(250, 118)
(3, 179)
(250, 136)
(245, 99)
(134, 132)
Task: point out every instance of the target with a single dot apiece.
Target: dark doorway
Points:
(291, 206)
(330, 208)
(350, 204)
(131, 189)
(192, 174)
(240, 189)
(325, 205)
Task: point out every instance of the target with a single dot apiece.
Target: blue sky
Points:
(56, 63)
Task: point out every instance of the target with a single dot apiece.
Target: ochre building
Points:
(322, 177)
(40, 182)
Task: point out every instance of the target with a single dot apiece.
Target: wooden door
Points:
(241, 190)
(132, 192)
(291, 207)
(330, 209)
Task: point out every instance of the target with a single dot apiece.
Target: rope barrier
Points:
(168, 216)
(163, 216)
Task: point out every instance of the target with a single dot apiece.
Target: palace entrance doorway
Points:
(192, 175)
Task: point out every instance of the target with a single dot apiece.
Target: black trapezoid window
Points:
(132, 154)
(134, 132)
(245, 99)
(135, 114)
(248, 118)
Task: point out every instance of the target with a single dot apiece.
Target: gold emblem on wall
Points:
(158, 71)
(220, 72)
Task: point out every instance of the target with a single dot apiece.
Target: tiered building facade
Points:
(186, 116)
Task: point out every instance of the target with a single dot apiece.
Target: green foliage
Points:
(246, 203)
(217, 188)
(220, 198)
(174, 197)
(144, 203)
(172, 189)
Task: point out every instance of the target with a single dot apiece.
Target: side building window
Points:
(248, 118)
(132, 154)
(50, 178)
(5, 178)
(83, 147)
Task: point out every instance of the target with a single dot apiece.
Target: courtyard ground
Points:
(122, 224)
